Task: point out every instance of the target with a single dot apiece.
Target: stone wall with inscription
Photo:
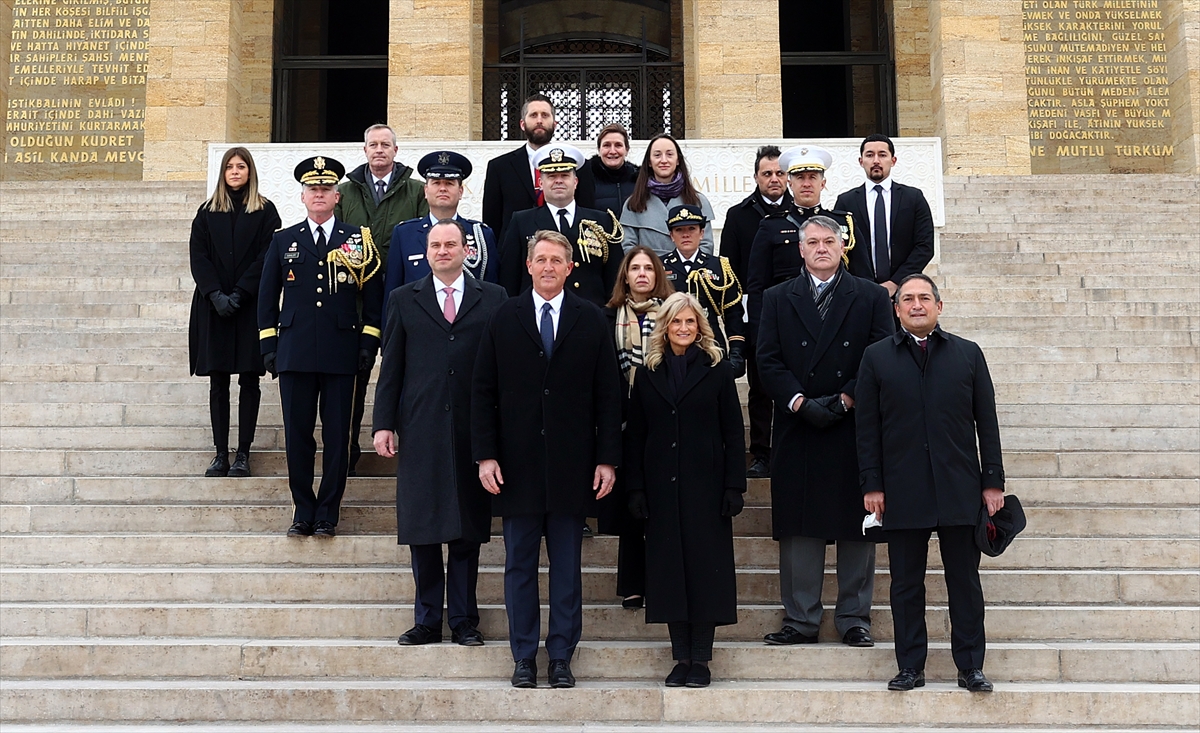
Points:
(1098, 85)
(75, 94)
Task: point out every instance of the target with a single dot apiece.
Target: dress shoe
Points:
(324, 529)
(218, 467)
(906, 679)
(858, 636)
(241, 464)
(587, 530)
(560, 674)
(699, 676)
(679, 675)
(525, 674)
(759, 468)
(465, 635)
(974, 680)
(787, 636)
(632, 603)
(300, 529)
(421, 634)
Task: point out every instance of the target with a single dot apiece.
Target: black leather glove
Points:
(238, 297)
(269, 362)
(222, 303)
(737, 359)
(733, 503)
(821, 412)
(366, 360)
(638, 506)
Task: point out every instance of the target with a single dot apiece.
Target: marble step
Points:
(801, 701)
(290, 659)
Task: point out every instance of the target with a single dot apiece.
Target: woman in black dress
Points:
(230, 235)
(685, 460)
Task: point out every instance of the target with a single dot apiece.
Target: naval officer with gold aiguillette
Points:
(316, 341)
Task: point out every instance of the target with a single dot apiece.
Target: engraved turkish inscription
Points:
(76, 89)
(1098, 86)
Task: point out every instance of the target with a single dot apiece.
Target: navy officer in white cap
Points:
(594, 235)
(775, 253)
(444, 172)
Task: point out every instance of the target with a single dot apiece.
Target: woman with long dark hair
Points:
(230, 235)
(685, 462)
(663, 183)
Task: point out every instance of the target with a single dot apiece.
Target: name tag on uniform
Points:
(670, 275)
(289, 256)
(414, 258)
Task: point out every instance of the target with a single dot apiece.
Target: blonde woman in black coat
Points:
(685, 457)
(230, 235)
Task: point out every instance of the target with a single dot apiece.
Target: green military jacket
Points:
(404, 199)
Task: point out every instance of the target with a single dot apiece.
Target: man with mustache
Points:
(513, 182)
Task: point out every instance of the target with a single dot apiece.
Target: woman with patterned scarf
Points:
(640, 290)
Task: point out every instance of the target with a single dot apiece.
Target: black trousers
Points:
(456, 584)
(522, 548)
(249, 397)
(760, 409)
(692, 641)
(302, 395)
(631, 560)
(360, 407)
(907, 553)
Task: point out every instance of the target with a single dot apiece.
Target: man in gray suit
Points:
(423, 415)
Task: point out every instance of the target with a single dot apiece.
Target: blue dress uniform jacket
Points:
(407, 262)
(712, 281)
(775, 253)
(317, 327)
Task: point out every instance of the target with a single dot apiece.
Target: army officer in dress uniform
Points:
(710, 278)
(775, 253)
(444, 172)
(595, 237)
(316, 341)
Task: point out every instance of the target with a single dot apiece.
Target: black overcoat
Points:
(684, 451)
(917, 431)
(424, 395)
(549, 422)
(814, 472)
(227, 252)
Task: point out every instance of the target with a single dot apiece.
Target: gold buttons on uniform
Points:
(320, 276)
(318, 304)
(319, 290)
(576, 284)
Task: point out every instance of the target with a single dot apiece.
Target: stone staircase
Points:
(135, 592)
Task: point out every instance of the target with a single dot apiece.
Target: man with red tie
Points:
(513, 181)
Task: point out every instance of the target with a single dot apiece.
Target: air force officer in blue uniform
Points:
(316, 341)
(444, 172)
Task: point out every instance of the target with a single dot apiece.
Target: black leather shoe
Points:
(218, 467)
(974, 680)
(699, 676)
(465, 635)
(560, 674)
(241, 464)
(787, 636)
(420, 634)
(300, 529)
(633, 603)
(679, 675)
(587, 530)
(759, 468)
(906, 679)
(324, 529)
(525, 674)
(858, 636)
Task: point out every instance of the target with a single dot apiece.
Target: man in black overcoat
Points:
(512, 183)
(423, 415)
(317, 341)
(593, 235)
(894, 226)
(924, 398)
(546, 432)
(814, 331)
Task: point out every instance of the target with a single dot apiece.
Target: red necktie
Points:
(537, 186)
(448, 306)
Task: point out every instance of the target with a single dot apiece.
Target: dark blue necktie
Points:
(883, 259)
(547, 330)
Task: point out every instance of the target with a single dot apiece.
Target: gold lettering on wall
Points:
(76, 81)
(1098, 87)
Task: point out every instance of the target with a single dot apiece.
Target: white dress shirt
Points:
(555, 309)
(887, 208)
(327, 227)
(385, 180)
(569, 208)
(441, 292)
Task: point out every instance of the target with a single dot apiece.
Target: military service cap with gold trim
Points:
(686, 215)
(805, 158)
(557, 157)
(319, 171)
(444, 164)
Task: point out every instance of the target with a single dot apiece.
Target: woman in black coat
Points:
(685, 460)
(640, 290)
(230, 235)
(607, 179)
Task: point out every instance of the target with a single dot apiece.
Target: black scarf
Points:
(238, 199)
(678, 366)
(610, 175)
(826, 297)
